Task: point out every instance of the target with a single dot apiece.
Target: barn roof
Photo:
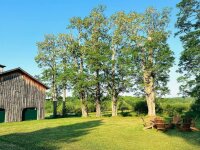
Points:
(23, 72)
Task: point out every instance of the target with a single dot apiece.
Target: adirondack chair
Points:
(147, 125)
(193, 125)
(176, 121)
(186, 124)
(160, 124)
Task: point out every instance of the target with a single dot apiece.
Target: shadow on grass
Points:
(192, 137)
(48, 138)
(66, 116)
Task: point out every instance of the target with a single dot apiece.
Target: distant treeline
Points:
(128, 106)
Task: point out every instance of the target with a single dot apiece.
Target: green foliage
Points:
(47, 59)
(136, 104)
(65, 64)
(141, 107)
(175, 106)
(106, 55)
(123, 106)
(151, 54)
(130, 106)
(48, 106)
(188, 23)
(106, 105)
(73, 107)
(96, 52)
(171, 110)
(118, 71)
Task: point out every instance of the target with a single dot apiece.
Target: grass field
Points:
(120, 133)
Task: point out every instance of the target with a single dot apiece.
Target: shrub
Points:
(48, 106)
(91, 106)
(176, 109)
(123, 105)
(126, 114)
(106, 106)
(141, 107)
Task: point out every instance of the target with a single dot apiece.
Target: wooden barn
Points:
(22, 96)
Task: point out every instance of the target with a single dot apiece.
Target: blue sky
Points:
(23, 23)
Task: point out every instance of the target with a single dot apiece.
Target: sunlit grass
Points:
(118, 133)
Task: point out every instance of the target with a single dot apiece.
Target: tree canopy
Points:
(110, 55)
(188, 23)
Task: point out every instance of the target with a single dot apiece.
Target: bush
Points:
(126, 114)
(106, 106)
(176, 109)
(48, 106)
(123, 105)
(194, 109)
(91, 106)
(141, 107)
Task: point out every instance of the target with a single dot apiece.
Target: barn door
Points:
(29, 114)
(2, 115)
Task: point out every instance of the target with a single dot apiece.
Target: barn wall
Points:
(17, 92)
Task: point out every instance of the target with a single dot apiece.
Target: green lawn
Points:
(120, 133)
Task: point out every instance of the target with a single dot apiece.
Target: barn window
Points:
(29, 114)
(2, 115)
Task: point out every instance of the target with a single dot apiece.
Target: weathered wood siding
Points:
(18, 91)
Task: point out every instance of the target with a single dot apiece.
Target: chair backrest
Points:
(158, 120)
(176, 119)
(187, 121)
(160, 124)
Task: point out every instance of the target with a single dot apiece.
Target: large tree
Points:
(96, 48)
(81, 79)
(47, 59)
(152, 57)
(188, 23)
(65, 71)
(118, 77)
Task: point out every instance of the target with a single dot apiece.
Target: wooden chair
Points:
(160, 124)
(176, 121)
(193, 125)
(186, 124)
(147, 125)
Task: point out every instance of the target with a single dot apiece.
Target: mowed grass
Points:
(119, 133)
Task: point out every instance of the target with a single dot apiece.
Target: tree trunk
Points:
(54, 98)
(64, 102)
(98, 108)
(84, 107)
(114, 105)
(149, 92)
(98, 96)
(54, 109)
(114, 98)
(148, 78)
